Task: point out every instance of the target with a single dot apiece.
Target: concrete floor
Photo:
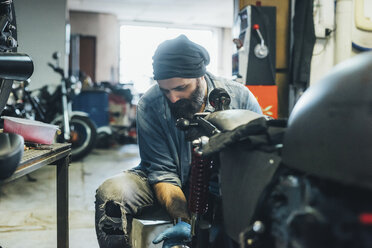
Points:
(28, 209)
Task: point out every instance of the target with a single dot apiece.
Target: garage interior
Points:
(84, 65)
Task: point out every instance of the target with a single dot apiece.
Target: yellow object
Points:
(363, 15)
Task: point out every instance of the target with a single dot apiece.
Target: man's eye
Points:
(181, 88)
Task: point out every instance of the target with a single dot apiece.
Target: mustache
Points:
(184, 108)
(187, 107)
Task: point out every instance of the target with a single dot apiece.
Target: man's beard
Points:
(186, 108)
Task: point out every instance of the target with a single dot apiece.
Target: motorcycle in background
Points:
(77, 128)
(113, 110)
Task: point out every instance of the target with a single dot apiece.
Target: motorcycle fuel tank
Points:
(329, 132)
(232, 118)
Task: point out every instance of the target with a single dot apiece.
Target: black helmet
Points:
(11, 151)
(329, 132)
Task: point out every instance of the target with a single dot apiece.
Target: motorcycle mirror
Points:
(219, 99)
(56, 55)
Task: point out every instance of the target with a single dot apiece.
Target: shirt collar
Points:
(210, 86)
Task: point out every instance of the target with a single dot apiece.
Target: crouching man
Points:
(182, 89)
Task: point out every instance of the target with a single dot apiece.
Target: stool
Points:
(144, 231)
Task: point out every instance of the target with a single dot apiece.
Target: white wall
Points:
(41, 31)
(105, 28)
(337, 47)
(323, 58)
(225, 50)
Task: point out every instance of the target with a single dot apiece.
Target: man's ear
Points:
(200, 79)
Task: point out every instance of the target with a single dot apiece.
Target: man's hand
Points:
(179, 234)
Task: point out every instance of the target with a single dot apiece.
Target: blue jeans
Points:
(118, 200)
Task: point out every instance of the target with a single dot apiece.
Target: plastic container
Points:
(32, 131)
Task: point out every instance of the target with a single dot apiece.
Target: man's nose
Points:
(173, 97)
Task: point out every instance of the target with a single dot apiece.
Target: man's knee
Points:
(111, 227)
(112, 188)
(115, 201)
(110, 197)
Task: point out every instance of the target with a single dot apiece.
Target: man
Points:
(182, 90)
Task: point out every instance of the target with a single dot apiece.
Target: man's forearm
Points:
(173, 199)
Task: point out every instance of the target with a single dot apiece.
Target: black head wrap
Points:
(179, 57)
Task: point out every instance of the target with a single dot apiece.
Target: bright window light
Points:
(138, 45)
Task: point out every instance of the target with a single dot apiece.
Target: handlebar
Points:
(51, 65)
(59, 70)
(203, 127)
(15, 66)
(220, 100)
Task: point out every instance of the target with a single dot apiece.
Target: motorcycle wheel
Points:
(83, 135)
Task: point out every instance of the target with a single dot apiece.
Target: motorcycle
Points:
(259, 182)
(77, 128)
(209, 199)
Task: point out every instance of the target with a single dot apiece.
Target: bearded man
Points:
(182, 89)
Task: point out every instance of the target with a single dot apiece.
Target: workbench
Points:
(55, 154)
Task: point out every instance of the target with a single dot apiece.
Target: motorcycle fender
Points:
(58, 119)
(81, 113)
(104, 129)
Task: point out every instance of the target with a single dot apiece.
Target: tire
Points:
(83, 136)
(87, 136)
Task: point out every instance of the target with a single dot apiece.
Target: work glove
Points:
(180, 234)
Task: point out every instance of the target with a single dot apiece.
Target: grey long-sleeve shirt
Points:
(165, 154)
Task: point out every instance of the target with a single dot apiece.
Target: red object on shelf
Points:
(267, 97)
(365, 218)
(32, 131)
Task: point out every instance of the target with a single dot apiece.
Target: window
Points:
(138, 45)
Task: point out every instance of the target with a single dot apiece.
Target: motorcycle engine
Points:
(322, 200)
(306, 212)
